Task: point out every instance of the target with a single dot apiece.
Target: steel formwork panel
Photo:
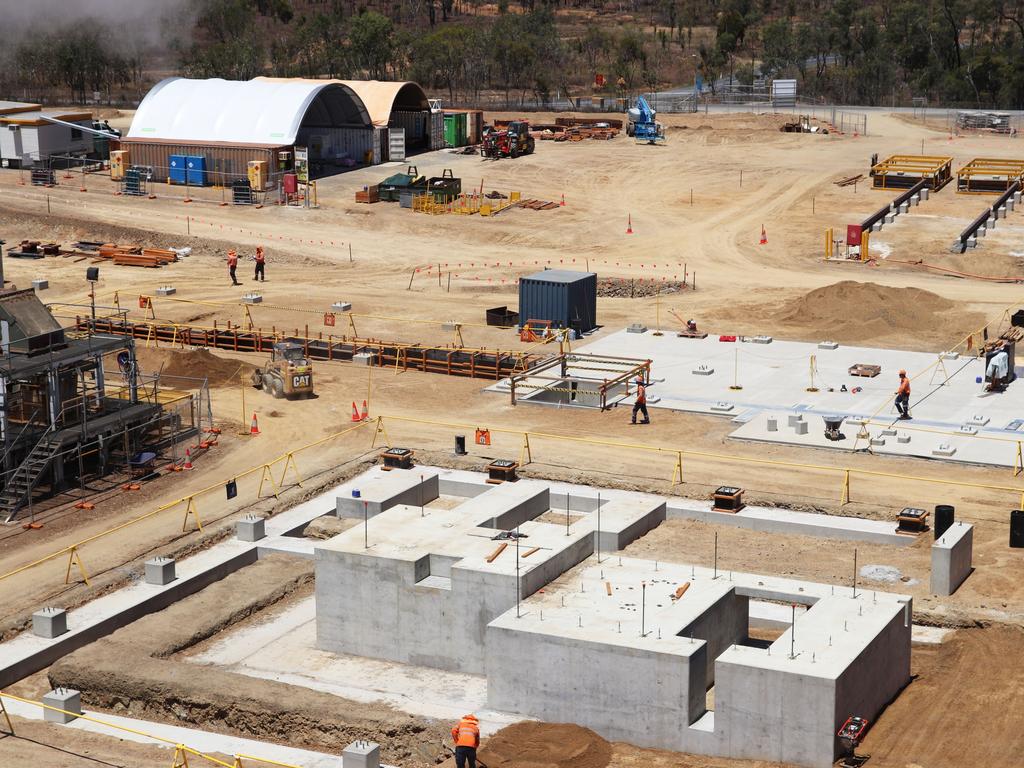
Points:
(904, 171)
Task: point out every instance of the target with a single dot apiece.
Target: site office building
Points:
(230, 124)
(26, 138)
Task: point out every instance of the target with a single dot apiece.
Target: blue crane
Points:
(642, 124)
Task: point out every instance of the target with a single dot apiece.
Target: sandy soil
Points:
(697, 206)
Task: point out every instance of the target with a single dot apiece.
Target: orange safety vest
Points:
(232, 260)
(904, 386)
(641, 393)
(467, 733)
(260, 258)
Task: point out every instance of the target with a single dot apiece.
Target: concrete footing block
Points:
(637, 328)
(1010, 204)
(967, 429)
(160, 571)
(1017, 197)
(342, 306)
(924, 194)
(982, 231)
(40, 284)
(252, 298)
(1001, 213)
(915, 200)
(944, 449)
(762, 340)
(979, 420)
(49, 622)
(703, 370)
(890, 218)
(903, 439)
(828, 345)
(720, 407)
(251, 528)
(67, 699)
(888, 432)
(950, 355)
(952, 558)
(876, 227)
(905, 208)
(361, 754)
(166, 290)
(364, 358)
(878, 441)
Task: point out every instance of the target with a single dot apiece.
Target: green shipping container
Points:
(455, 129)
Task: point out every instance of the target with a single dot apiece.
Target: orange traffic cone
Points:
(366, 411)
(629, 224)
(355, 412)
(254, 428)
(188, 459)
(764, 236)
(563, 199)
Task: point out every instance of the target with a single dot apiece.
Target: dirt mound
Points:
(546, 745)
(851, 312)
(195, 364)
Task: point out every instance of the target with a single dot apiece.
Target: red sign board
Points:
(329, 319)
(599, 80)
(853, 234)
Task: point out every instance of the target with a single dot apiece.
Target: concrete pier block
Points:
(982, 231)
(720, 407)
(636, 328)
(251, 528)
(761, 340)
(979, 420)
(890, 218)
(40, 284)
(342, 306)
(166, 290)
(1001, 213)
(905, 208)
(972, 242)
(800, 427)
(252, 298)
(950, 355)
(361, 754)
(364, 358)
(828, 345)
(952, 555)
(1016, 197)
(944, 449)
(876, 227)
(902, 439)
(49, 622)
(878, 441)
(888, 432)
(1010, 204)
(915, 200)
(967, 429)
(160, 571)
(67, 699)
(703, 370)
(924, 194)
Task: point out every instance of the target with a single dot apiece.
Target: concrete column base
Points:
(67, 699)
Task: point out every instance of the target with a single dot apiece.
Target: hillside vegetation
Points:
(951, 52)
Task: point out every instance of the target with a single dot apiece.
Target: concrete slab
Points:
(775, 378)
(378, 490)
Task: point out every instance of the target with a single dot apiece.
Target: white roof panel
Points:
(241, 112)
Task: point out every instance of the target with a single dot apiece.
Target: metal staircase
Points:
(24, 479)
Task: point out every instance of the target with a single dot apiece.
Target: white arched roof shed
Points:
(260, 111)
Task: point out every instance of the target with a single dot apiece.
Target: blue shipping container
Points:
(568, 299)
(196, 171)
(176, 172)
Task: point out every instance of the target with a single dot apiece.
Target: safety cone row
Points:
(355, 413)
(764, 236)
(254, 428)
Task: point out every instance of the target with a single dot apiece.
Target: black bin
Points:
(460, 445)
(944, 516)
(1017, 529)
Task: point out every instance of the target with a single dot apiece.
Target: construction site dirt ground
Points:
(781, 288)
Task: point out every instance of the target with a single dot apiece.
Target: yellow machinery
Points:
(905, 171)
(258, 174)
(287, 374)
(989, 176)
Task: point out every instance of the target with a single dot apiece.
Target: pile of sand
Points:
(194, 364)
(852, 312)
(546, 745)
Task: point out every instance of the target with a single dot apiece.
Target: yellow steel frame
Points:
(1007, 170)
(938, 168)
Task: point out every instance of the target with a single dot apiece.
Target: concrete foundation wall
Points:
(952, 557)
(399, 486)
(624, 693)
(772, 714)
(724, 624)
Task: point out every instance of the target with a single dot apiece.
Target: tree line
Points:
(950, 52)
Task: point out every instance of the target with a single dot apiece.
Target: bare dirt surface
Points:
(697, 207)
(134, 672)
(546, 745)
(196, 363)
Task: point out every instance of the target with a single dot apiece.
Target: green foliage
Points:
(371, 37)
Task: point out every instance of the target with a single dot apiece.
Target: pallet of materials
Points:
(150, 257)
(33, 249)
(866, 370)
(368, 194)
(538, 205)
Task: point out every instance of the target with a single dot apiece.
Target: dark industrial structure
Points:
(562, 297)
(70, 405)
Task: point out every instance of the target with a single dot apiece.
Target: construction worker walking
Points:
(466, 735)
(261, 265)
(903, 396)
(232, 266)
(641, 401)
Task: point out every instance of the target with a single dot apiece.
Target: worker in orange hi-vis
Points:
(466, 735)
(903, 396)
(232, 266)
(261, 265)
(640, 406)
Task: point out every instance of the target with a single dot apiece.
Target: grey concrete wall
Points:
(624, 693)
(952, 557)
(378, 607)
(399, 486)
(623, 522)
(449, 487)
(726, 622)
(768, 713)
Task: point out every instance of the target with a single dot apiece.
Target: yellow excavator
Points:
(287, 374)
